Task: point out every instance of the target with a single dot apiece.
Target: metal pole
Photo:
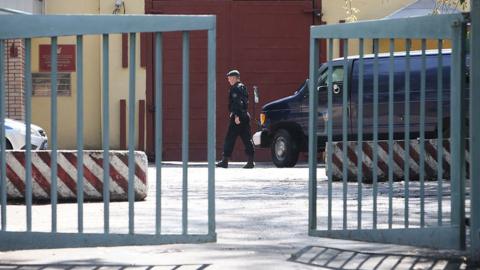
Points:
(312, 136)
(212, 36)
(457, 131)
(475, 130)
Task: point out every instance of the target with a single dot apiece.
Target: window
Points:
(337, 76)
(41, 85)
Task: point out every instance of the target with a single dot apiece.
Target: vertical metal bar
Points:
(131, 135)
(375, 132)
(475, 130)
(457, 132)
(185, 126)
(360, 133)
(28, 121)
(212, 36)
(312, 135)
(329, 130)
(406, 169)
(423, 78)
(344, 129)
(158, 129)
(390, 132)
(54, 116)
(3, 165)
(440, 133)
(106, 135)
(80, 125)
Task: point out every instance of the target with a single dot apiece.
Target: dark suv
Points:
(285, 121)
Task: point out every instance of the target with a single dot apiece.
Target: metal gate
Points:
(27, 27)
(422, 213)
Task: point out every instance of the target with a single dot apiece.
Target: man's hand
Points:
(237, 120)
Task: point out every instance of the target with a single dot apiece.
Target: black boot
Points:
(249, 164)
(223, 163)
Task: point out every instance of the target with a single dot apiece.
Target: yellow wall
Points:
(371, 10)
(92, 79)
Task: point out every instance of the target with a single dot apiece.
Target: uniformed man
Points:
(239, 123)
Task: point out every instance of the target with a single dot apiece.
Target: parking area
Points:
(261, 219)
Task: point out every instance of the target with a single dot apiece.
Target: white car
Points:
(15, 136)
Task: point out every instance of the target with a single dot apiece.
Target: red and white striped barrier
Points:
(431, 147)
(67, 175)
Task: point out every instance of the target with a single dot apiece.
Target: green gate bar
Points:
(375, 132)
(440, 133)
(158, 130)
(475, 130)
(344, 129)
(329, 129)
(457, 131)
(423, 78)
(406, 157)
(33, 26)
(361, 50)
(211, 123)
(445, 235)
(131, 134)
(106, 132)
(390, 132)
(3, 165)
(54, 125)
(28, 120)
(80, 137)
(312, 142)
(185, 127)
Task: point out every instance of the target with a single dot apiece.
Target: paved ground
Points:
(261, 224)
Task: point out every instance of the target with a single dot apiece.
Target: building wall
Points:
(14, 79)
(92, 79)
(31, 6)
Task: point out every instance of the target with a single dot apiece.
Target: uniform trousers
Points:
(234, 130)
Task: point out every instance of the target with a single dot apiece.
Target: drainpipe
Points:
(316, 11)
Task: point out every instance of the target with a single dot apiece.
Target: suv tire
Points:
(284, 149)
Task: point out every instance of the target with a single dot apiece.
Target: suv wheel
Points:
(284, 149)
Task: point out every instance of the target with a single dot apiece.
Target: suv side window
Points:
(337, 76)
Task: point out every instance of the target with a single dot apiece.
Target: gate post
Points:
(475, 130)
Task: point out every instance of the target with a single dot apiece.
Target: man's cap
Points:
(233, 72)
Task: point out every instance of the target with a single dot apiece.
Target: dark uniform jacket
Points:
(238, 101)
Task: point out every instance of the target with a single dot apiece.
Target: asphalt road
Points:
(261, 224)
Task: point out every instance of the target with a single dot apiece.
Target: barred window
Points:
(41, 85)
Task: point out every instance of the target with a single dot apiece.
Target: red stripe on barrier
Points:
(413, 174)
(396, 159)
(15, 180)
(352, 155)
(416, 157)
(114, 174)
(36, 174)
(87, 174)
(337, 163)
(138, 171)
(380, 164)
(61, 173)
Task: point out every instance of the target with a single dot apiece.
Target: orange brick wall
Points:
(14, 79)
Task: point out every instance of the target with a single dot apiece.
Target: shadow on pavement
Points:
(102, 267)
(343, 259)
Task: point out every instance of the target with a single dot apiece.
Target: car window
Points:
(337, 76)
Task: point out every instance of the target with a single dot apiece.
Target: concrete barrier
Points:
(431, 148)
(67, 175)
